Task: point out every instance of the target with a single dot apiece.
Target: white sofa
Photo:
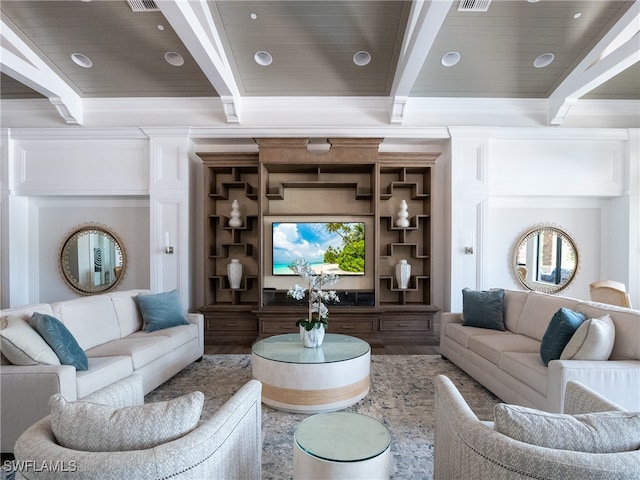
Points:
(108, 328)
(508, 363)
(227, 445)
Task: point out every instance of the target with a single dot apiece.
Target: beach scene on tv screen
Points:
(329, 247)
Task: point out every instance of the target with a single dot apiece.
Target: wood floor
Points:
(386, 350)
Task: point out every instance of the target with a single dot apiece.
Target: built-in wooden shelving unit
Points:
(284, 180)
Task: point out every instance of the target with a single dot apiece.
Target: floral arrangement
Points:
(318, 313)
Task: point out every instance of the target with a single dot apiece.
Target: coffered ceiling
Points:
(214, 47)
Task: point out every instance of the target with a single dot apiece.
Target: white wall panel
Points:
(81, 167)
(557, 167)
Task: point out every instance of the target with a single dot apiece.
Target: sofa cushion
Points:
(627, 326)
(483, 309)
(462, 334)
(127, 311)
(178, 335)
(563, 325)
(514, 301)
(130, 428)
(91, 320)
(491, 347)
(103, 371)
(537, 312)
(60, 340)
(22, 345)
(527, 368)
(143, 350)
(593, 340)
(161, 310)
(601, 432)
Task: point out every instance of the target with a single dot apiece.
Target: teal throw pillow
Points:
(561, 328)
(161, 310)
(483, 309)
(60, 339)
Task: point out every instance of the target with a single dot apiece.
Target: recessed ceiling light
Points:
(263, 58)
(81, 60)
(533, 1)
(361, 58)
(450, 59)
(543, 60)
(253, 16)
(160, 27)
(577, 15)
(174, 58)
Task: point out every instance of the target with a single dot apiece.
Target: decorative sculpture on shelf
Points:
(403, 216)
(235, 220)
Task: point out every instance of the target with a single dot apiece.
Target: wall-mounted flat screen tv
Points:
(330, 247)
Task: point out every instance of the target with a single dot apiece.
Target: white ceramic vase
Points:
(312, 338)
(235, 220)
(234, 273)
(403, 215)
(403, 273)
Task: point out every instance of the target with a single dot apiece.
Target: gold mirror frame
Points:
(545, 282)
(102, 267)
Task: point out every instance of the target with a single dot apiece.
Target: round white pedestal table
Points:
(312, 380)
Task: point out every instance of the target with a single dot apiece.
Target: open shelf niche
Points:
(285, 181)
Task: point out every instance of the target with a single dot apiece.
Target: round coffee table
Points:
(311, 380)
(341, 445)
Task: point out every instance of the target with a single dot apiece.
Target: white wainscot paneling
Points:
(82, 167)
(557, 168)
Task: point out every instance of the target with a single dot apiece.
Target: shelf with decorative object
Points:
(389, 193)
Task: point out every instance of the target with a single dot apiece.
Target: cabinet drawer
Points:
(346, 327)
(278, 326)
(400, 324)
(230, 324)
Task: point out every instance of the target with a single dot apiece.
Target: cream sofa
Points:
(108, 328)
(509, 364)
(226, 446)
(465, 447)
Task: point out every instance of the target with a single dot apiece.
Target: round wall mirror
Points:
(545, 259)
(92, 259)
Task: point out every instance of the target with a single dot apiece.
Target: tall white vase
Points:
(403, 273)
(234, 273)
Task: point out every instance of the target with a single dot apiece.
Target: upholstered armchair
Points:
(228, 445)
(466, 447)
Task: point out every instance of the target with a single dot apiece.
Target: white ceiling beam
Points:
(425, 21)
(598, 66)
(21, 62)
(193, 23)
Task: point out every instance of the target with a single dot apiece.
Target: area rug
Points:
(401, 397)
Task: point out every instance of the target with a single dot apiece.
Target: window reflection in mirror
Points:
(92, 259)
(545, 259)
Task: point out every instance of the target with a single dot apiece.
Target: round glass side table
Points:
(341, 445)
